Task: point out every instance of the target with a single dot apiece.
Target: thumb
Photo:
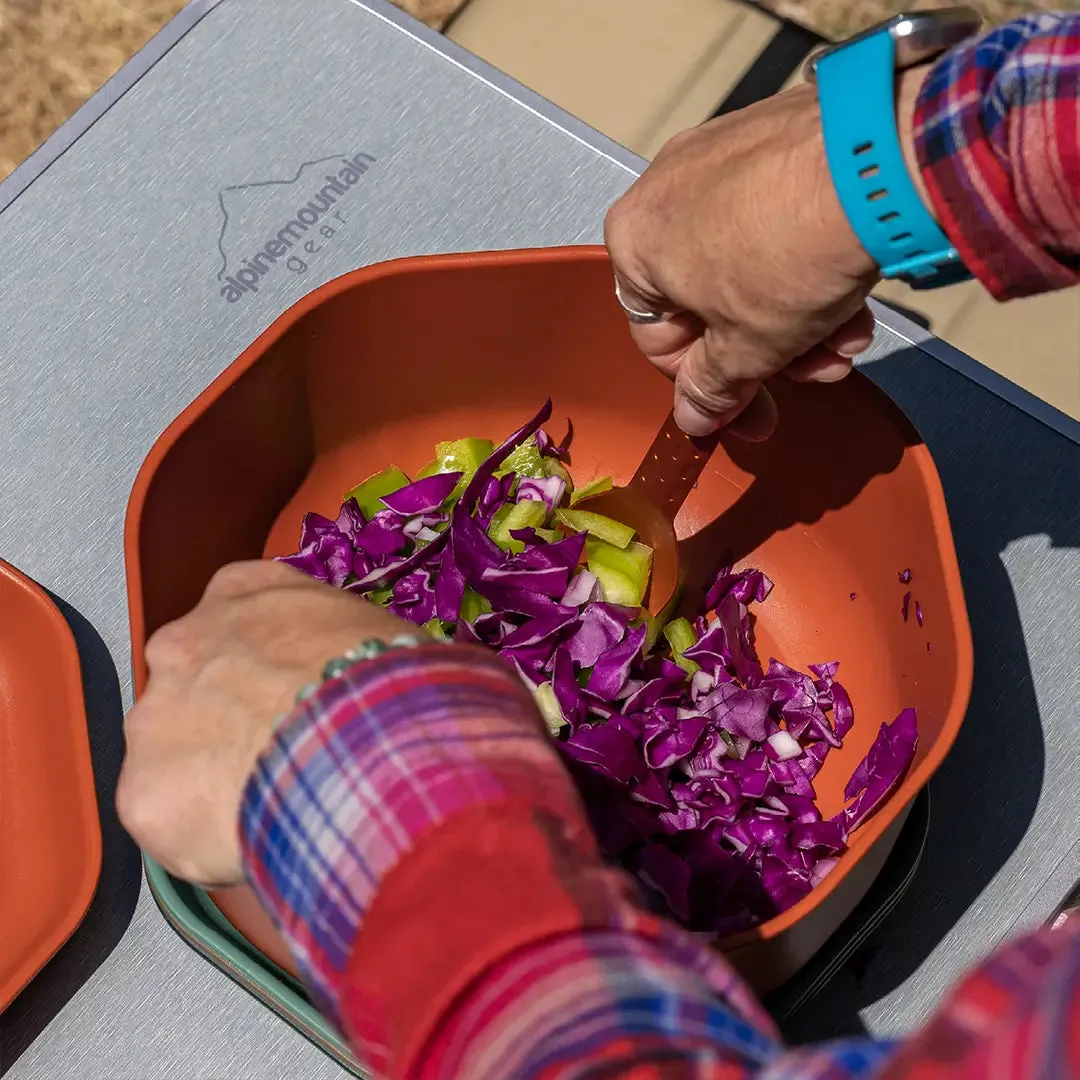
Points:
(709, 393)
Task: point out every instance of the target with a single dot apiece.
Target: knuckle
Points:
(675, 143)
(135, 808)
(708, 392)
(172, 645)
(233, 579)
(243, 578)
(707, 382)
(614, 227)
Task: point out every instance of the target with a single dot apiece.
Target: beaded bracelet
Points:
(368, 649)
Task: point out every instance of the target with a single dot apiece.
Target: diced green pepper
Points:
(550, 536)
(653, 625)
(617, 588)
(525, 460)
(593, 487)
(381, 596)
(680, 636)
(549, 708)
(462, 455)
(369, 494)
(529, 513)
(473, 605)
(436, 629)
(430, 469)
(554, 467)
(604, 528)
(634, 562)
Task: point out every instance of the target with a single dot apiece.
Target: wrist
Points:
(382, 753)
(846, 252)
(909, 85)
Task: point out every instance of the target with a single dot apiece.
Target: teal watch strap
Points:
(857, 93)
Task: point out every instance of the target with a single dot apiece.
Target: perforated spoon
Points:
(650, 502)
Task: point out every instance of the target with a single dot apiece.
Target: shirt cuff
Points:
(995, 135)
(381, 755)
(526, 955)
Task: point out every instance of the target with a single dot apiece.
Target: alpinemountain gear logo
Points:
(299, 231)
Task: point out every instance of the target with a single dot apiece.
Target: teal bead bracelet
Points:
(366, 650)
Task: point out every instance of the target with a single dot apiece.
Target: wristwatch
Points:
(856, 84)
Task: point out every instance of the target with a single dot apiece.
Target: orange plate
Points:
(50, 838)
(375, 367)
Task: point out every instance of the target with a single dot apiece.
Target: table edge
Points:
(192, 13)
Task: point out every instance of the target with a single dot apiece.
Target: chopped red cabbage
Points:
(700, 783)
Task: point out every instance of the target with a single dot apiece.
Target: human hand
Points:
(219, 677)
(735, 232)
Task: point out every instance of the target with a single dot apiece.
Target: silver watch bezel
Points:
(918, 36)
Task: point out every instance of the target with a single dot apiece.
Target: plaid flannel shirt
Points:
(413, 833)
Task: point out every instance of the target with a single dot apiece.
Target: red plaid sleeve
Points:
(997, 133)
(413, 833)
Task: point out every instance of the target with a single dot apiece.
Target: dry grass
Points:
(55, 53)
(838, 18)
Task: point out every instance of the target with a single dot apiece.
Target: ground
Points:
(55, 53)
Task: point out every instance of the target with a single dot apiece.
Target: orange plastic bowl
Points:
(375, 367)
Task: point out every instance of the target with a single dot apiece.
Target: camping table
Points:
(120, 235)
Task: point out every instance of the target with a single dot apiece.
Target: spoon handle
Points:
(671, 467)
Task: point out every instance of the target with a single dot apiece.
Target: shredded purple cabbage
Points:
(698, 778)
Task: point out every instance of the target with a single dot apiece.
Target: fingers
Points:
(716, 381)
(854, 336)
(832, 359)
(758, 420)
(244, 578)
(664, 343)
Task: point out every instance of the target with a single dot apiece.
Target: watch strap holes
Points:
(892, 215)
(868, 172)
(876, 196)
(863, 148)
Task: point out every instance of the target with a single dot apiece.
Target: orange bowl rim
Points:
(872, 830)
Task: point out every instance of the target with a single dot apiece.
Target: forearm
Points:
(413, 833)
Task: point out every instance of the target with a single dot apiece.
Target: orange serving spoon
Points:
(655, 495)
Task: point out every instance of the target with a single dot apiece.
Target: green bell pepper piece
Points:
(548, 705)
(369, 493)
(524, 460)
(462, 455)
(653, 626)
(617, 588)
(529, 513)
(554, 467)
(436, 629)
(680, 636)
(634, 563)
(603, 528)
(593, 487)
(473, 605)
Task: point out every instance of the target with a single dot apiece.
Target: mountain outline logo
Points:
(298, 235)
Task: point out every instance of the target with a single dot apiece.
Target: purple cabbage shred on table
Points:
(697, 770)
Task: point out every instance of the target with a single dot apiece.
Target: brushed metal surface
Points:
(113, 319)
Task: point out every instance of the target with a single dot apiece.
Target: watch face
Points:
(918, 35)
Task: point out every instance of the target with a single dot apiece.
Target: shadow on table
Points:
(118, 890)
(1006, 477)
